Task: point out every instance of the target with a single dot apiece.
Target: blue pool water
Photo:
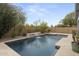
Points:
(36, 46)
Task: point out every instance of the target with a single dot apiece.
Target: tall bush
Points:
(10, 16)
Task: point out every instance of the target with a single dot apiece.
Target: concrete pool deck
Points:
(65, 47)
(7, 51)
(64, 43)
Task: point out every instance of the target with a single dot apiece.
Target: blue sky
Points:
(51, 13)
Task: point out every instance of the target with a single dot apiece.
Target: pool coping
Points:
(14, 53)
(15, 39)
(66, 47)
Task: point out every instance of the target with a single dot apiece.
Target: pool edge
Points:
(26, 37)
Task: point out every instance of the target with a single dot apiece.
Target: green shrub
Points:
(19, 30)
(75, 43)
(13, 34)
(73, 34)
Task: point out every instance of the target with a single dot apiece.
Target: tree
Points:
(69, 20)
(20, 30)
(40, 26)
(10, 16)
(29, 28)
(37, 25)
(43, 26)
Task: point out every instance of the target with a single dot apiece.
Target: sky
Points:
(51, 13)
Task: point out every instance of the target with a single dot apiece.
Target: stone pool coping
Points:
(15, 39)
(7, 51)
(65, 47)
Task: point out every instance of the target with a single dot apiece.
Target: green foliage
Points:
(73, 34)
(77, 38)
(30, 28)
(13, 34)
(10, 16)
(43, 26)
(48, 30)
(69, 20)
(38, 26)
(19, 30)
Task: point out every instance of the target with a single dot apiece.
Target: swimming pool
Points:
(43, 45)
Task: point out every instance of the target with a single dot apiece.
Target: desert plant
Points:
(13, 34)
(19, 30)
(75, 43)
(73, 34)
(48, 30)
(77, 38)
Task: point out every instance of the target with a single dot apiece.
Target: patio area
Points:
(65, 47)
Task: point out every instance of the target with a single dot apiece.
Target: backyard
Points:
(34, 31)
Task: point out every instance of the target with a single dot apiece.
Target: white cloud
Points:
(38, 11)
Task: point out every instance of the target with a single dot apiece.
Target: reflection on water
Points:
(36, 46)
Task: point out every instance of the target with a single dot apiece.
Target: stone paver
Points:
(65, 47)
(6, 51)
